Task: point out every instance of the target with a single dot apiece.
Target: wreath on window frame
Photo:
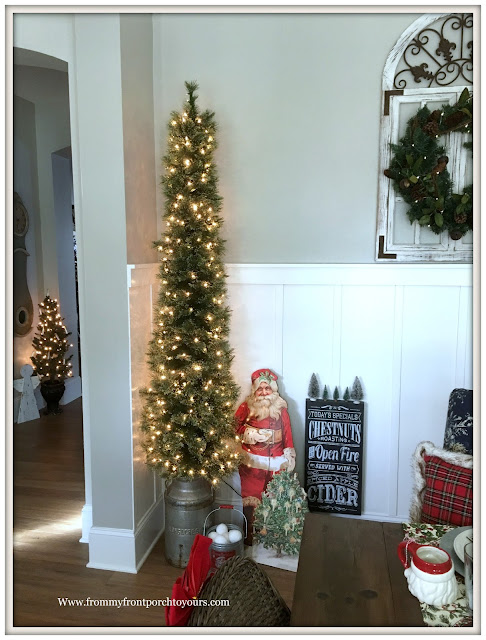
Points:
(419, 169)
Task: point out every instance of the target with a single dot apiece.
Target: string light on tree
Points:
(51, 344)
(190, 342)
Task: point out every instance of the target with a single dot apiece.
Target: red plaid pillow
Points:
(448, 497)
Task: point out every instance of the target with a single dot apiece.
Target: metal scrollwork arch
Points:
(442, 54)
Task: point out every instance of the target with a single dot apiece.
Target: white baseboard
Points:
(377, 517)
(86, 522)
(122, 549)
(73, 390)
(112, 549)
(149, 530)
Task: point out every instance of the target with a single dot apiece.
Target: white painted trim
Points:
(335, 347)
(149, 531)
(351, 274)
(86, 522)
(279, 322)
(122, 549)
(395, 400)
(112, 549)
(464, 324)
(401, 44)
(375, 517)
(140, 275)
(130, 399)
(400, 284)
(446, 275)
(446, 250)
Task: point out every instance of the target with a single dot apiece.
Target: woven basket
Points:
(253, 600)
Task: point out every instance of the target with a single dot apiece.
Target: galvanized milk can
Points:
(228, 515)
(187, 503)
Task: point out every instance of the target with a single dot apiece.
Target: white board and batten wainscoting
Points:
(404, 329)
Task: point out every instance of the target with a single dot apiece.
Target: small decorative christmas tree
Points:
(325, 393)
(51, 344)
(188, 413)
(279, 518)
(357, 391)
(335, 395)
(313, 391)
(346, 395)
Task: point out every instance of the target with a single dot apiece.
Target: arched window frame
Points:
(447, 250)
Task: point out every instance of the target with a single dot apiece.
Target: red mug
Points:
(426, 558)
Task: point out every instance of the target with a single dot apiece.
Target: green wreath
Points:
(419, 174)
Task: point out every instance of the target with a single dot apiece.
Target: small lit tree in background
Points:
(51, 344)
(50, 363)
(188, 412)
(279, 518)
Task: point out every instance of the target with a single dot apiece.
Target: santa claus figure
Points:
(263, 424)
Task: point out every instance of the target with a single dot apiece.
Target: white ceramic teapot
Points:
(429, 572)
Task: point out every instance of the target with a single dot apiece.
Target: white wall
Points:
(52, 257)
(141, 229)
(91, 44)
(47, 33)
(102, 221)
(138, 136)
(403, 329)
(62, 192)
(297, 99)
(25, 183)
(48, 90)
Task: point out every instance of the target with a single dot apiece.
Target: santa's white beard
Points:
(262, 407)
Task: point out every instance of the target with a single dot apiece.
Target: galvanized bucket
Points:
(221, 552)
(187, 504)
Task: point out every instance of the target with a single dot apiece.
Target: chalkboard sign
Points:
(334, 455)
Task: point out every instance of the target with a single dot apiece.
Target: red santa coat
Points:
(258, 470)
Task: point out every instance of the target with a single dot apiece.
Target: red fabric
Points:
(448, 494)
(254, 481)
(267, 372)
(190, 583)
(261, 448)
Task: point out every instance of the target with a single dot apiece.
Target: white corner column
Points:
(100, 211)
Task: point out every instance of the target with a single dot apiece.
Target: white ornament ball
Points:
(221, 529)
(212, 535)
(234, 535)
(220, 540)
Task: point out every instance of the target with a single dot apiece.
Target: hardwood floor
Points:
(49, 561)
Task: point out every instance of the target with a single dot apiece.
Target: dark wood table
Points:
(349, 575)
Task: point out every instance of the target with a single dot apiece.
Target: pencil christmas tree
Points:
(188, 413)
(279, 518)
